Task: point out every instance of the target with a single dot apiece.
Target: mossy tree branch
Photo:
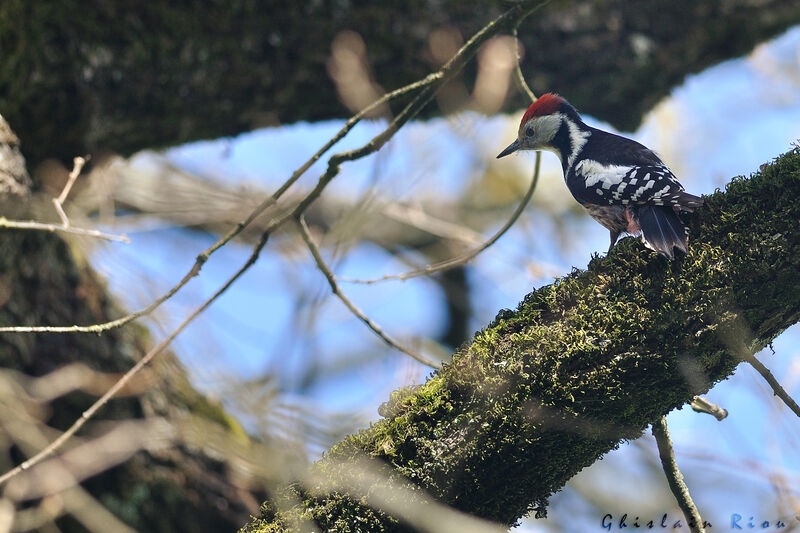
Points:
(581, 365)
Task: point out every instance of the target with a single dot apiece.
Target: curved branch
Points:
(326, 271)
(469, 256)
(472, 254)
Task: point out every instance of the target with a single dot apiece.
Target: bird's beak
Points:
(513, 147)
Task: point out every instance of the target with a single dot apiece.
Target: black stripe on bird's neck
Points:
(563, 143)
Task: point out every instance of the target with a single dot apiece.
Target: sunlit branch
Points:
(57, 228)
(701, 405)
(674, 476)
(58, 203)
(326, 271)
(77, 167)
(779, 391)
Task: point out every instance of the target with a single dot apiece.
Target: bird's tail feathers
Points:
(662, 230)
(688, 202)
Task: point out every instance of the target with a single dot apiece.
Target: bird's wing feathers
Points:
(635, 177)
(647, 185)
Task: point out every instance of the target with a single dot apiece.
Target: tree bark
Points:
(581, 365)
(167, 490)
(109, 75)
(45, 281)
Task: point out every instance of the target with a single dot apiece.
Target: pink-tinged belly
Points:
(616, 218)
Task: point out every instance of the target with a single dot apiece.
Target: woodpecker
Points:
(622, 184)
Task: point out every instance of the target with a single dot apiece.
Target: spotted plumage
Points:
(621, 183)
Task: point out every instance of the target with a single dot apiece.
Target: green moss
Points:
(585, 363)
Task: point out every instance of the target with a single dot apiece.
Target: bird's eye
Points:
(529, 131)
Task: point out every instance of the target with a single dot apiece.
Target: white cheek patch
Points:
(546, 128)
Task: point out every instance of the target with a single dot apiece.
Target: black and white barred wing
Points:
(634, 185)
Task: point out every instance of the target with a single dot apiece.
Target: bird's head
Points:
(541, 123)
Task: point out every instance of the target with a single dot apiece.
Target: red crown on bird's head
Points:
(547, 104)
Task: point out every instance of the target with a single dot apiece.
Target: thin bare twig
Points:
(674, 476)
(522, 85)
(57, 228)
(58, 203)
(326, 271)
(779, 391)
(77, 167)
(469, 256)
(700, 404)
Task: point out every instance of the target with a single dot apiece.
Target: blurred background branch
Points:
(674, 477)
(236, 66)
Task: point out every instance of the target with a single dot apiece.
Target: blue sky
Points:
(722, 122)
